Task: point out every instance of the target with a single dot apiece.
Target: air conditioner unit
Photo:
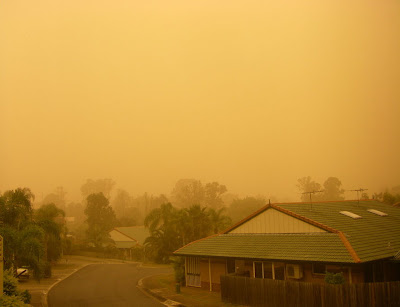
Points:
(294, 271)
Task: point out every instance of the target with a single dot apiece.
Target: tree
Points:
(332, 189)
(16, 207)
(306, 184)
(51, 219)
(241, 208)
(57, 198)
(23, 239)
(212, 194)
(163, 216)
(30, 249)
(160, 245)
(121, 202)
(100, 219)
(188, 192)
(198, 220)
(219, 221)
(104, 186)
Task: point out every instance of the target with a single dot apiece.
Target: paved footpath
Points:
(64, 268)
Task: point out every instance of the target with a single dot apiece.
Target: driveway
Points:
(104, 285)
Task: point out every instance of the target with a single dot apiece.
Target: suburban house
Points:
(128, 238)
(301, 242)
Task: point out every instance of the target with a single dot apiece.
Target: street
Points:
(104, 285)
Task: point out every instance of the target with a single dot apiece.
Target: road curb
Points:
(163, 300)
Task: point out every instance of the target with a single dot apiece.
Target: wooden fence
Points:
(277, 293)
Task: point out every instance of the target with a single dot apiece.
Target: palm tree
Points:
(16, 207)
(200, 222)
(219, 220)
(160, 216)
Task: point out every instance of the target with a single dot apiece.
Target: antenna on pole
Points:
(311, 193)
(360, 190)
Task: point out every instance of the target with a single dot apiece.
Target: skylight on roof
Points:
(350, 214)
(377, 212)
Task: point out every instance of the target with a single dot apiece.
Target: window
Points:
(258, 269)
(230, 266)
(290, 270)
(350, 214)
(279, 268)
(268, 270)
(319, 268)
(377, 212)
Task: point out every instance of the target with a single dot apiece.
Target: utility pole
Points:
(311, 193)
(360, 190)
(1, 266)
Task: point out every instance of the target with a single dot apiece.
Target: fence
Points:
(277, 293)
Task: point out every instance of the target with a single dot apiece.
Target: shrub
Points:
(334, 278)
(25, 296)
(179, 268)
(12, 297)
(11, 301)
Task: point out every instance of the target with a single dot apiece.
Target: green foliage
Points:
(171, 228)
(178, 263)
(100, 219)
(334, 278)
(331, 189)
(57, 198)
(241, 208)
(25, 296)
(306, 184)
(13, 297)
(188, 192)
(390, 199)
(50, 219)
(12, 301)
(9, 283)
(47, 270)
(125, 209)
(212, 195)
(16, 208)
(219, 220)
(30, 238)
(103, 186)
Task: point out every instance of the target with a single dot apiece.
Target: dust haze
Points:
(250, 94)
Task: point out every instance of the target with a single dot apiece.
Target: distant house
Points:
(301, 241)
(128, 238)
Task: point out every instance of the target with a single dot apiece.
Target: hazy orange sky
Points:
(252, 94)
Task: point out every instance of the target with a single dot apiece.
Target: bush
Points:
(11, 301)
(9, 283)
(179, 268)
(25, 296)
(12, 297)
(334, 278)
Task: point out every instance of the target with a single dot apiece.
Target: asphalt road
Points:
(104, 285)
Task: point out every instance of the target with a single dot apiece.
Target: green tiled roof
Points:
(302, 247)
(372, 237)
